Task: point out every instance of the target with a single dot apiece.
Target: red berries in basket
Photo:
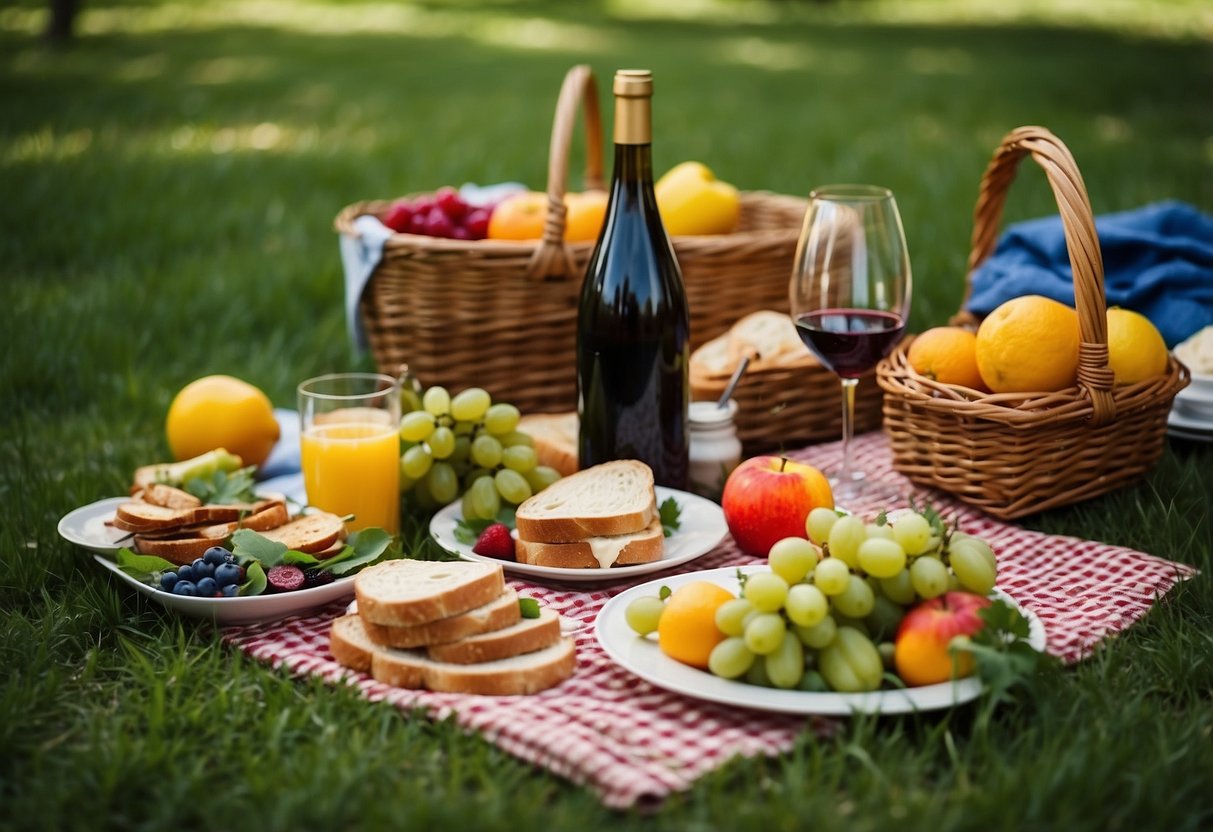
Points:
(442, 214)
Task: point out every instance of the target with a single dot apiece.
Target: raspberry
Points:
(495, 542)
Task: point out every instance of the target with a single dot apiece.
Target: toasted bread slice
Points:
(311, 533)
(138, 516)
(182, 546)
(497, 614)
(525, 636)
(159, 494)
(608, 499)
(402, 593)
(522, 674)
(644, 546)
(555, 438)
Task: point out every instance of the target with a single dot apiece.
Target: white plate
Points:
(701, 528)
(643, 657)
(86, 528)
(242, 610)
(1189, 428)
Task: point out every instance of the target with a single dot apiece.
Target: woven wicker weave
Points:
(503, 315)
(1014, 454)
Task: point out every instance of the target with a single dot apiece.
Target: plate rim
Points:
(709, 688)
(453, 511)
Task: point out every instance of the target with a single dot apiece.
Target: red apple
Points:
(921, 653)
(767, 498)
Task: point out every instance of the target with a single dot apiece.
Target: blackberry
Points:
(317, 577)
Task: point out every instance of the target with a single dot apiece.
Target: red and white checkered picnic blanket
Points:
(635, 743)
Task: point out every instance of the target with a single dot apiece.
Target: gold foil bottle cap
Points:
(634, 83)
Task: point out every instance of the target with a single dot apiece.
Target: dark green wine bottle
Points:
(633, 328)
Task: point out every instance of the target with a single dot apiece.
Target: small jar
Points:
(715, 449)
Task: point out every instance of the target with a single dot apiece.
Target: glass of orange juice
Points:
(350, 447)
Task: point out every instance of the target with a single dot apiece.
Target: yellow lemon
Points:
(222, 412)
(687, 628)
(1136, 349)
(947, 354)
(1029, 344)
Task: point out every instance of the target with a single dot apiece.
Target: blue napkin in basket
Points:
(1158, 260)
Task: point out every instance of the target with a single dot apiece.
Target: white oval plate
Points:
(701, 528)
(242, 610)
(643, 657)
(86, 527)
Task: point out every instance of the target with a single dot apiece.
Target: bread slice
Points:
(608, 499)
(500, 613)
(645, 546)
(525, 636)
(182, 546)
(160, 494)
(311, 533)
(555, 438)
(402, 593)
(523, 674)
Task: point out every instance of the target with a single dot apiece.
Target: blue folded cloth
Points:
(1158, 260)
(284, 458)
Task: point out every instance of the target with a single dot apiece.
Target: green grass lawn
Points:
(169, 185)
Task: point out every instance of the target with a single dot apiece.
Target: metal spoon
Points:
(732, 385)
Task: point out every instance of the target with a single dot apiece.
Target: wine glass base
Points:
(858, 489)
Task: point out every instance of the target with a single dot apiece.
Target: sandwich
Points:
(601, 517)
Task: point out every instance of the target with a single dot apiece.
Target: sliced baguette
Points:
(182, 546)
(159, 494)
(404, 593)
(608, 499)
(523, 674)
(309, 533)
(498, 614)
(525, 636)
(645, 546)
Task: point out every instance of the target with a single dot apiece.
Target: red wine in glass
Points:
(850, 341)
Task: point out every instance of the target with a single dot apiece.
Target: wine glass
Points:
(850, 295)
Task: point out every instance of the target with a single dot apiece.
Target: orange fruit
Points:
(521, 216)
(587, 210)
(947, 354)
(1136, 349)
(687, 629)
(1029, 344)
(221, 412)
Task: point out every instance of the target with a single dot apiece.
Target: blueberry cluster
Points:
(214, 575)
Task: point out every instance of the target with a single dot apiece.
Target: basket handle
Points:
(1082, 243)
(580, 89)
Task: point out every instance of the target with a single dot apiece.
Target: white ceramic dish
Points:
(1183, 425)
(643, 657)
(702, 527)
(243, 610)
(86, 528)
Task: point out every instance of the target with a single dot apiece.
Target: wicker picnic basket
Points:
(503, 315)
(1015, 454)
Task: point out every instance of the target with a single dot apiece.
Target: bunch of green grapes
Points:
(468, 445)
(824, 615)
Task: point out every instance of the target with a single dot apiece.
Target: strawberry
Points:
(495, 542)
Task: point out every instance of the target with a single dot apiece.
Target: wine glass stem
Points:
(845, 473)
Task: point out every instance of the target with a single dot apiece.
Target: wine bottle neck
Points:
(633, 120)
(634, 164)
